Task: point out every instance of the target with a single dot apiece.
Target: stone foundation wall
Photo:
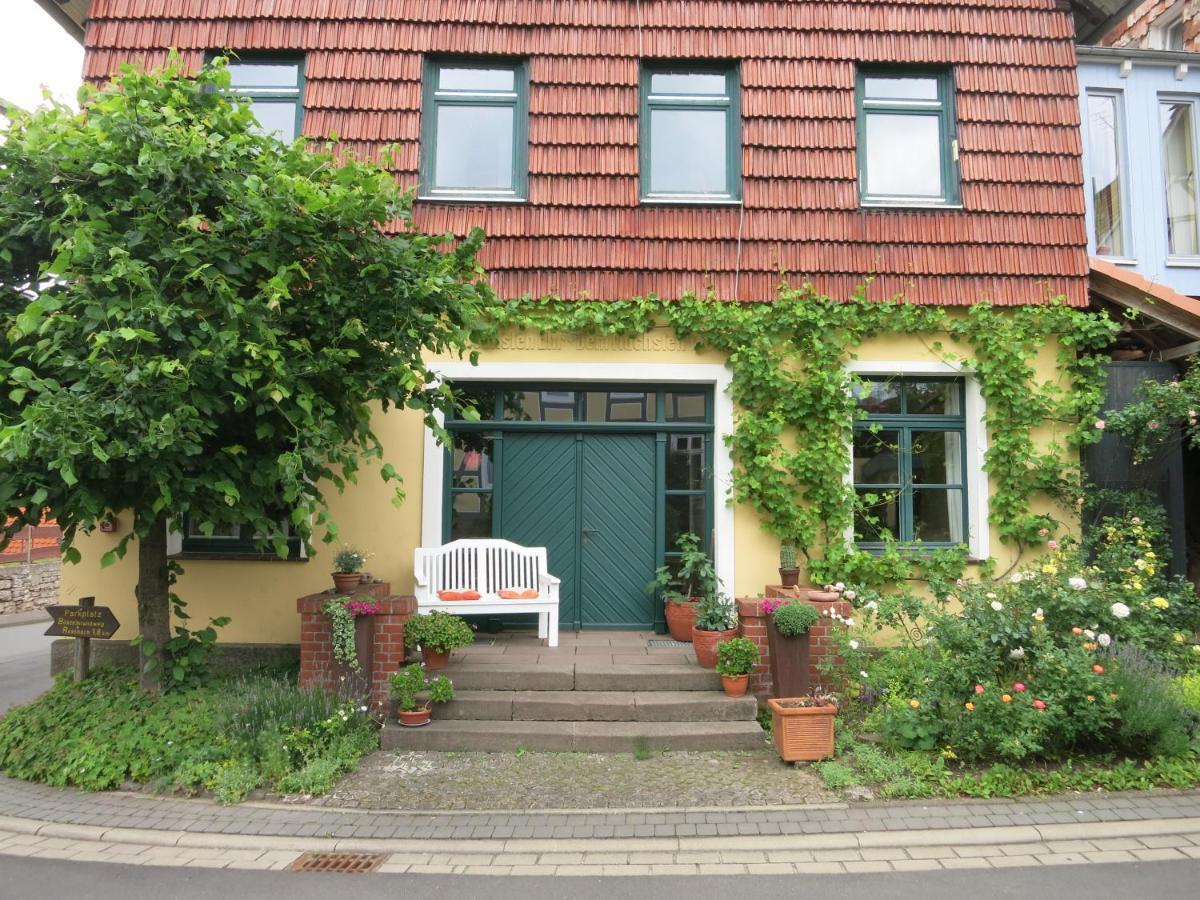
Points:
(821, 648)
(28, 586)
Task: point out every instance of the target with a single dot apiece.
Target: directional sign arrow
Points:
(82, 622)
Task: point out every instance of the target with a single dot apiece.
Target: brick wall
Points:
(754, 626)
(28, 586)
(1134, 29)
(317, 666)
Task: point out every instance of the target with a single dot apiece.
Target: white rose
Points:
(854, 645)
(849, 623)
(871, 604)
(1018, 653)
(864, 675)
(1089, 634)
(1016, 578)
(839, 587)
(997, 605)
(1120, 610)
(1103, 640)
(1076, 582)
(850, 595)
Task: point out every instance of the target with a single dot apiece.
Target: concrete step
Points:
(582, 737)
(579, 675)
(599, 706)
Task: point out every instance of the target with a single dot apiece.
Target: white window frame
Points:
(979, 543)
(1192, 101)
(1167, 22)
(1118, 97)
(645, 376)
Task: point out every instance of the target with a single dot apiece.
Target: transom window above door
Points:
(909, 462)
(474, 130)
(567, 404)
(691, 146)
(907, 149)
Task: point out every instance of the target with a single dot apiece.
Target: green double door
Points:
(590, 499)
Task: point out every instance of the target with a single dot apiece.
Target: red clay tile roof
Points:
(1019, 238)
(1126, 287)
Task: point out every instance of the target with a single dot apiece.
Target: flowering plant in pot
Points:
(716, 621)
(736, 659)
(415, 694)
(788, 624)
(348, 564)
(683, 586)
(802, 727)
(437, 633)
(343, 614)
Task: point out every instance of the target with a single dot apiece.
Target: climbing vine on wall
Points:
(795, 406)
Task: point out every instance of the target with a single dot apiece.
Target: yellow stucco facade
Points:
(259, 596)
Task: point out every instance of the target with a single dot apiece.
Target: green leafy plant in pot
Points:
(736, 659)
(437, 634)
(683, 587)
(716, 621)
(415, 694)
(348, 564)
(788, 626)
(789, 572)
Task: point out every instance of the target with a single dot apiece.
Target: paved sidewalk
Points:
(828, 838)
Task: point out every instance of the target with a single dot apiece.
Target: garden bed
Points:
(228, 737)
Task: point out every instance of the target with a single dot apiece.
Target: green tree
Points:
(196, 319)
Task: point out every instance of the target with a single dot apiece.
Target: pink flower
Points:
(1136, 521)
(1042, 532)
(1153, 426)
(979, 689)
(1052, 544)
(1100, 424)
(1019, 688)
(1039, 704)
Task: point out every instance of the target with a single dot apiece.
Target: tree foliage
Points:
(197, 319)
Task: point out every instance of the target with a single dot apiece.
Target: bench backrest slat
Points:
(486, 565)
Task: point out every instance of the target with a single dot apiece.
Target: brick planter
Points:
(385, 634)
(754, 627)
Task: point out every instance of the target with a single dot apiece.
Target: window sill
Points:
(1184, 262)
(908, 205)
(472, 199)
(689, 201)
(1118, 260)
(236, 557)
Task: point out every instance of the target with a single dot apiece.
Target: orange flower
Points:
(1076, 630)
(1098, 669)
(1090, 645)
(1007, 698)
(1091, 698)
(915, 704)
(970, 706)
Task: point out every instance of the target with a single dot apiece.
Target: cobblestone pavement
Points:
(575, 781)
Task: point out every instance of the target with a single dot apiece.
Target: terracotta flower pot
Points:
(434, 660)
(414, 718)
(735, 685)
(705, 645)
(802, 733)
(789, 577)
(346, 582)
(680, 618)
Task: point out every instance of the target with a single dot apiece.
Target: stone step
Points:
(582, 737)
(599, 706)
(579, 676)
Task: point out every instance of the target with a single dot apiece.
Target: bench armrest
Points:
(420, 579)
(549, 579)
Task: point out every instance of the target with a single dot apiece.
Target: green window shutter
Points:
(907, 137)
(690, 141)
(910, 462)
(475, 130)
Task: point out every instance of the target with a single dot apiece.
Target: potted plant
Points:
(803, 726)
(788, 624)
(415, 694)
(348, 564)
(437, 633)
(684, 587)
(351, 631)
(789, 573)
(736, 659)
(716, 621)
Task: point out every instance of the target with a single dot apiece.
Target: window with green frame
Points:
(907, 148)
(475, 130)
(690, 145)
(275, 87)
(909, 461)
(234, 542)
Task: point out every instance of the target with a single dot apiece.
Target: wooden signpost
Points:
(82, 622)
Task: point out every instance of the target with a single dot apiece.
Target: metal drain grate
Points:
(348, 863)
(666, 642)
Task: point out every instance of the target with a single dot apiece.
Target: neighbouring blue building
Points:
(1140, 133)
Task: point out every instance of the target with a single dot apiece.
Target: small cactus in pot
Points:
(789, 572)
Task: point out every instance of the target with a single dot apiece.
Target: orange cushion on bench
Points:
(517, 594)
(459, 595)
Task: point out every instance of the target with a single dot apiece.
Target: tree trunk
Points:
(154, 610)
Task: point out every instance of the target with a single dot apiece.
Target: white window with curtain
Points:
(1106, 170)
(916, 459)
(1177, 120)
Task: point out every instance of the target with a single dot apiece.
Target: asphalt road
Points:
(37, 879)
(24, 664)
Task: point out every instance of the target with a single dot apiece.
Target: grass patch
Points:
(229, 736)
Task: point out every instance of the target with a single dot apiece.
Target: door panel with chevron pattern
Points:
(617, 552)
(539, 487)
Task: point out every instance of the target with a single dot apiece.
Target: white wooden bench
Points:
(488, 566)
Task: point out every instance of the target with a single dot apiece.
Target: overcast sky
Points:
(35, 51)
